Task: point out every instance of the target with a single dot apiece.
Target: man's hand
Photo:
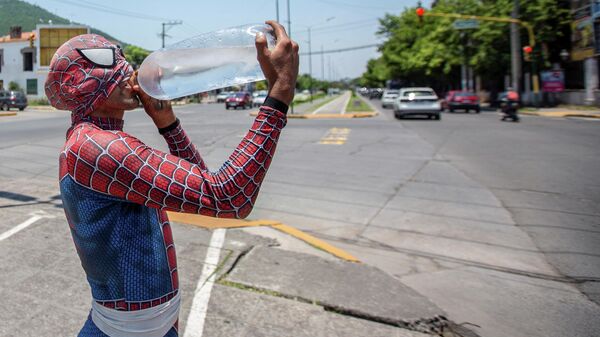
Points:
(280, 65)
(161, 112)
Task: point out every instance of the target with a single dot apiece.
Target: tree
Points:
(135, 55)
(262, 85)
(431, 52)
(14, 86)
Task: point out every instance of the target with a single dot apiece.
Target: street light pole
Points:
(277, 9)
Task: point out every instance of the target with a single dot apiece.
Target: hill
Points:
(26, 15)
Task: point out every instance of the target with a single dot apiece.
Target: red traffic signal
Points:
(527, 49)
(420, 12)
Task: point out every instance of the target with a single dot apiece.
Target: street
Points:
(494, 223)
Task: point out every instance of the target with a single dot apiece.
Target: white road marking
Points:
(321, 108)
(346, 104)
(21, 227)
(195, 322)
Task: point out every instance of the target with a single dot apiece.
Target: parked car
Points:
(259, 93)
(461, 100)
(240, 99)
(259, 99)
(222, 96)
(417, 101)
(388, 98)
(12, 99)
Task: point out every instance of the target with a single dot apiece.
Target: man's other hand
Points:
(279, 65)
(161, 112)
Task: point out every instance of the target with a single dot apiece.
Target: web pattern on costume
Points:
(181, 146)
(120, 165)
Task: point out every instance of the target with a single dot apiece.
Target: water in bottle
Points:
(206, 62)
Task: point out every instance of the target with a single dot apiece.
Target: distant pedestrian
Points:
(116, 190)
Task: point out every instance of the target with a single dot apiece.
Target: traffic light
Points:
(527, 50)
(420, 12)
(31, 39)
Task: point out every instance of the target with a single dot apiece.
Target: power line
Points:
(346, 24)
(101, 8)
(332, 51)
(339, 3)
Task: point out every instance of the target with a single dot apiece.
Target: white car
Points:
(222, 96)
(417, 101)
(388, 98)
(259, 99)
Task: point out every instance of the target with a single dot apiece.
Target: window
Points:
(52, 38)
(32, 86)
(28, 61)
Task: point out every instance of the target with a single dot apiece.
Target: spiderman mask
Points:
(84, 72)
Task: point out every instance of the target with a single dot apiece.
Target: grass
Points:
(315, 97)
(38, 102)
(356, 104)
(578, 107)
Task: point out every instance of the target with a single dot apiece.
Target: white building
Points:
(25, 56)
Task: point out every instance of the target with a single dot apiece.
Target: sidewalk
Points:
(562, 112)
(262, 290)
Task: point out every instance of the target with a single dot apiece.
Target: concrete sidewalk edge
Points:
(560, 114)
(328, 116)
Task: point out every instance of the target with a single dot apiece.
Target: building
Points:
(25, 56)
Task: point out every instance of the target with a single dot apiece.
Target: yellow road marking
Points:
(311, 240)
(214, 223)
(335, 136)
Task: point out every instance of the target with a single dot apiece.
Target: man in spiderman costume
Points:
(116, 190)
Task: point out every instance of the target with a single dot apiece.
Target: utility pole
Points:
(322, 64)
(310, 64)
(164, 33)
(289, 22)
(277, 9)
(515, 48)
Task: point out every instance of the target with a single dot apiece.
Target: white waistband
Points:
(151, 322)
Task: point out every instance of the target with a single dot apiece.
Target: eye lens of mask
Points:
(102, 57)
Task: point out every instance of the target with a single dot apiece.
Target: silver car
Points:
(417, 101)
(388, 97)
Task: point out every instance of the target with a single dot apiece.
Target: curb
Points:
(6, 114)
(42, 108)
(329, 116)
(214, 223)
(559, 114)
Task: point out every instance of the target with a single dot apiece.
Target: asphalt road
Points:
(496, 223)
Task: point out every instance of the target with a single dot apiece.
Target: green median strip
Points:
(356, 104)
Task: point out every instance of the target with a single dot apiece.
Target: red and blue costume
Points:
(116, 190)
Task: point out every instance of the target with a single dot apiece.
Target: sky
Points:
(336, 24)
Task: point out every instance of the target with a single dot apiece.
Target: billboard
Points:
(51, 37)
(553, 81)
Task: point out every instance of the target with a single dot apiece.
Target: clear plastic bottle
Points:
(205, 62)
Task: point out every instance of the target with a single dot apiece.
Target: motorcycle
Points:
(510, 109)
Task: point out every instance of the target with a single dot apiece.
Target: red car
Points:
(461, 100)
(239, 100)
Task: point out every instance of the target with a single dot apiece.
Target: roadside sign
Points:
(553, 81)
(465, 24)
